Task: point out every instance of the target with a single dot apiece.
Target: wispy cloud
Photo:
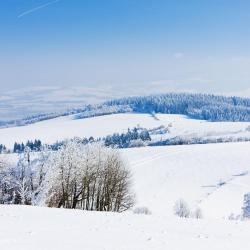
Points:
(27, 12)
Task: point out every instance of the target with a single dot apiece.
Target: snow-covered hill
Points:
(22, 103)
(213, 177)
(50, 131)
(161, 175)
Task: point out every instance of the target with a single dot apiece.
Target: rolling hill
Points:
(67, 127)
(161, 175)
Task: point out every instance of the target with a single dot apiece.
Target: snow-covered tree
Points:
(198, 106)
(181, 208)
(23, 192)
(142, 210)
(89, 177)
(246, 206)
(21, 183)
(197, 214)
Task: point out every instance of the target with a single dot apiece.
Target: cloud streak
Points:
(27, 12)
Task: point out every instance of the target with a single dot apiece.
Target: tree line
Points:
(132, 138)
(35, 145)
(198, 106)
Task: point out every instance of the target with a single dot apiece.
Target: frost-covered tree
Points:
(133, 138)
(4, 181)
(89, 177)
(197, 214)
(142, 210)
(23, 192)
(23, 175)
(21, 183)
(246, 206)
(181, 208)
(198, 106)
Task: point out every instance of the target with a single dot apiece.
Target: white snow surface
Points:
(194, 173)
(67, 127)
(29, 228)
(161, 175)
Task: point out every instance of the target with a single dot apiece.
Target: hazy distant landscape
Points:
(22, 103)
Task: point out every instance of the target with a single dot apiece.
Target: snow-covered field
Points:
(67, 127)
(161, 175)
(192, 172)
(29, 228)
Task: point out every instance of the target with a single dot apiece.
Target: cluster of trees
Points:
(88, 177)
(181, 209)
(21, 183)
(102, 109)
(184, 140)
(198, 106)
(134, 137)
(35, 145)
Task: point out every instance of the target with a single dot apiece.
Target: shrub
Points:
(142, 210)
(197, 214)
(181, 209)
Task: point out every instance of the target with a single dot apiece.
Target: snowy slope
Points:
(67, 127)
(29, 228)
(161, 175)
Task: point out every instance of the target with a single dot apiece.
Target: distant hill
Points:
(197, 106)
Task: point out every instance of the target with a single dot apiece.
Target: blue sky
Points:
(176, 45)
